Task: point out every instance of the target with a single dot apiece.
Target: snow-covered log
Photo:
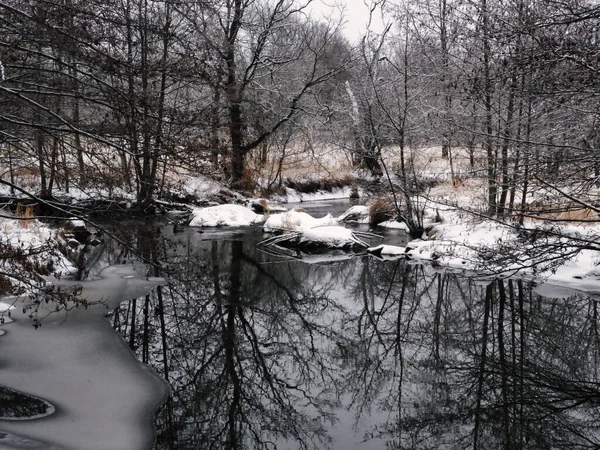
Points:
(358, 213)
(295, 220)
(326, 237)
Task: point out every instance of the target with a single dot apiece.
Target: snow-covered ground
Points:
(490, 247)
(35, 238)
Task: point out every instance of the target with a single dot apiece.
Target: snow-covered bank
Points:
(541, 253)
(33, 245)
(293, 196)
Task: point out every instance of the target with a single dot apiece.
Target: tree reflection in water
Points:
(16, 405)
(261, 353)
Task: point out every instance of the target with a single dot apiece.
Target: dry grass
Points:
(328, 184)
(582, 214)
(26, 212)
(6, 286)
(380, 210)
(573, 214)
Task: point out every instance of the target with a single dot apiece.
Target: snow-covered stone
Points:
(296, 220)
(224, 215)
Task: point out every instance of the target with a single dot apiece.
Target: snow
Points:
(293, 196)
(494, 248)
(198, 186)
(357, 213)
(331, 236)
(77, 223)
(33, 235)
(76, 360)
(393, 224)
(25, 233)
(224, 215)
(390, 250)
(295, 220)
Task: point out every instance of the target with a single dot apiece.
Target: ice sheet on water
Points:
(104, 397)
(113, 285)
(9, 441)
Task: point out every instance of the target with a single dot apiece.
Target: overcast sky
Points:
(356, 14)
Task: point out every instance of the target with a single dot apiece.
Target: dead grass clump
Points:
(24, 261)
(322, 184)
(571, 214)
(273, 190)
(381, 210)
(27, 212)
(247, 184)
(580, 214)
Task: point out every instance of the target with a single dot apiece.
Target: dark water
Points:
(268, 352)
(265, 352)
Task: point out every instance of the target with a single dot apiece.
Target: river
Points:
(264, 351)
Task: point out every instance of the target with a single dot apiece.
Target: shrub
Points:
(381, 210)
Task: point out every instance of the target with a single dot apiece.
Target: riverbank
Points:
(459, 235)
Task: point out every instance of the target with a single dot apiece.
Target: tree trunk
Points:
(236, 122)
(505, 145)
(42, 167)
(489, 147)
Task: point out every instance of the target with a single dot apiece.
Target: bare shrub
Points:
(381, 210)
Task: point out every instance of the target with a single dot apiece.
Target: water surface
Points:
(357, 353)
(263, 351)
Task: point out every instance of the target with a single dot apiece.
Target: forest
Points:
(128, 95)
